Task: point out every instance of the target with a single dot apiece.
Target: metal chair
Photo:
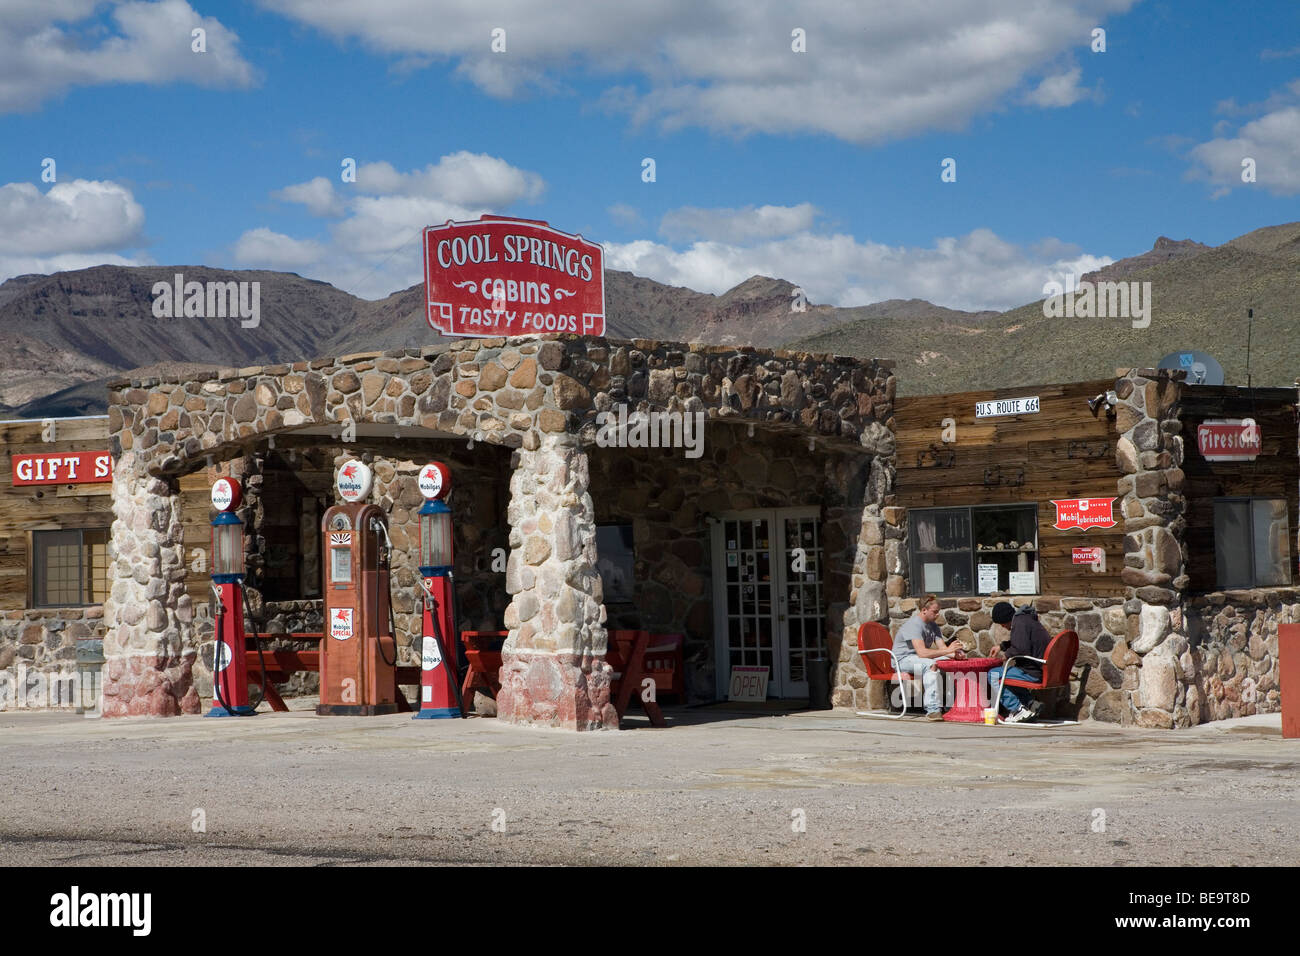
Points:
(1058, 661)
(874, 644)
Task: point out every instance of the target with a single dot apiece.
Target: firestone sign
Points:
(500, 276)
(1228, 440)
(1084, 513)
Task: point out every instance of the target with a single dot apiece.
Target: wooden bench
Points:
(663, 662)
(281, 664)
(625, 652)
(483, 654)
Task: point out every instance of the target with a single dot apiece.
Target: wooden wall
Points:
(1063, 451)
(1274, 474)
(45, 507)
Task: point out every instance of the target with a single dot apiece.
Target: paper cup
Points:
(990, 715)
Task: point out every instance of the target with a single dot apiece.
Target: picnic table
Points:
(625, 652)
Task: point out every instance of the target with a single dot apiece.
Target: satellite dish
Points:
(1201, 367)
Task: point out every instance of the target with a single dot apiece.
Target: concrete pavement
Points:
(712, 788)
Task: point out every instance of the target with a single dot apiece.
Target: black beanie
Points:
(1003, 612)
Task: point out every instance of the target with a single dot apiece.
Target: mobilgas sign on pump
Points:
(439, 660)
(358, 652)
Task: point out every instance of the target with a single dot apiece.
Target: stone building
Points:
(807, 508)
(1178, 616)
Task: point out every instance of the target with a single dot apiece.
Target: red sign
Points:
(500, 276)
(1084, 513)
(1228, 440)
(63, 468)
(1086, 555)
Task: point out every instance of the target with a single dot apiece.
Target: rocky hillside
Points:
(67, 334)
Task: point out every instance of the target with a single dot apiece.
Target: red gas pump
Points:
(439, 662)
(229, 670)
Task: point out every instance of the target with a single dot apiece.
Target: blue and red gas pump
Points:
(229, 669)
(439, 661)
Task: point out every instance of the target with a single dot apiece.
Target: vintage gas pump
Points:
(229, 671)
(439, 662)
(358, 659)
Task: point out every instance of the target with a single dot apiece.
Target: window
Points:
(977, 550)
(1252, 543)
(69, 567)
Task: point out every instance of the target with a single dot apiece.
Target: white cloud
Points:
(75, 216)
(44, 51)
(1061, 89)
(263, 248)
(976, 271)
(873, 71)
(73, 225)
(736, 225)
(1272, 141)
(624, 215)
(374, 246)
(317, 195)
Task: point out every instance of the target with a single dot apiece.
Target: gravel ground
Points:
(712, 788)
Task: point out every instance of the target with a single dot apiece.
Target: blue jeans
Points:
(924, 667)
(1013, 698)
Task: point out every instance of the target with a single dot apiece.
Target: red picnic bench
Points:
(281, 664)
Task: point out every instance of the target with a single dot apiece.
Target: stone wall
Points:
(39, 651)
(538, 396)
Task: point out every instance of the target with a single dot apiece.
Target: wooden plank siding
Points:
(1274, 474)
(1062, 451)
(29, 508)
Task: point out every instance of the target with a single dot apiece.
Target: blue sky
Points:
(821, 167)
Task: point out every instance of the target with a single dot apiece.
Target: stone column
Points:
(553, 671)
(1150, 455)
(148, 648)
(877, 572)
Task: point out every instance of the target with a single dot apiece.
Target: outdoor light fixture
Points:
(270, 441)
(751, 429)
(812, 444)
(1109, 399)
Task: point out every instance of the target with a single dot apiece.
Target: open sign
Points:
(748, 683)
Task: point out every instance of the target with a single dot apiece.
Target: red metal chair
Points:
(875, 645)
(1058, 661)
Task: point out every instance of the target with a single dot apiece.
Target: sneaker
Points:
(1023, 715)
(934, 715)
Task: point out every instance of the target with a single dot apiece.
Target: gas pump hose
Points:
(261, 658)
(220, 640)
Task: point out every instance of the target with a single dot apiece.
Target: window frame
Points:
(915, 565)
(1249, 501)
(39, 570)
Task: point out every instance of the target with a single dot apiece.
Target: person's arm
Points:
(940, 649)
(1021, 642)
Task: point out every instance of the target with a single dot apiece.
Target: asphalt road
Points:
(712, 788)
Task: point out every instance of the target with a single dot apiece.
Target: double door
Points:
(768, 608)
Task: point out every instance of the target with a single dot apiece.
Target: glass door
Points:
(767, 596)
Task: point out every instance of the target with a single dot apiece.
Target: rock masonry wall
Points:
(540, 397)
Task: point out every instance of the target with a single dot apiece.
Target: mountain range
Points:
(69, 333)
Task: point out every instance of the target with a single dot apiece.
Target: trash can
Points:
(819, 682)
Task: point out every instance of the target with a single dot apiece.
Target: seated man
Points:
(1027, 637)
(918, 644)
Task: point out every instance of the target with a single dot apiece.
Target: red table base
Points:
(970, 687)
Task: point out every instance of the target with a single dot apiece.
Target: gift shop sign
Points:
(499, 276)
(1084, 513)
(63, 468)
(1228, 440)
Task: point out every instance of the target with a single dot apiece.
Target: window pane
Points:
(940, 551)
(1006, 539)
(1272, 540)
(1232, 544)
(57, 557)
(95, 545)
